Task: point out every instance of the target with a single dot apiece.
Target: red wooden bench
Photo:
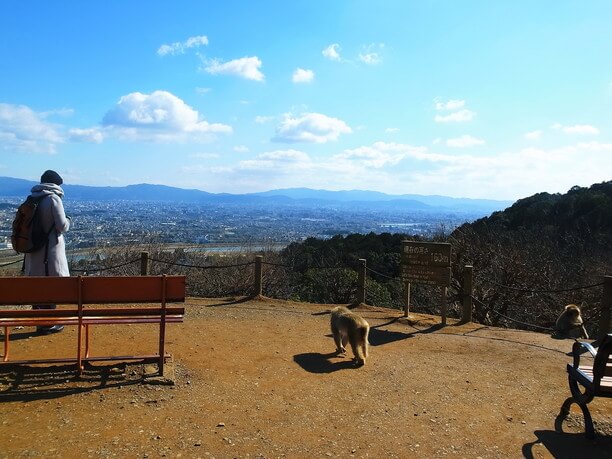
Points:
(82, 291)
(595, 380)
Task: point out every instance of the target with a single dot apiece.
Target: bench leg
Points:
(86, 341)
(589, 429)
(79, 350)
(582, 400)
(6, 343)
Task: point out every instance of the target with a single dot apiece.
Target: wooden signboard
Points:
(426, 263)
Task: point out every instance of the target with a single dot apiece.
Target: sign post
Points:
(427, 263)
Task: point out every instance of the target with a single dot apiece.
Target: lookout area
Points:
(259, 378)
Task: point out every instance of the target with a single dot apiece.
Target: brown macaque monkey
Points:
(348, 327)
(570, 323)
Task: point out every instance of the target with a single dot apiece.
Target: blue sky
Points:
(481, 99)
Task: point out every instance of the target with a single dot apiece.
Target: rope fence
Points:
(510, 318)
(277, 265)
(185, 265)
(12, 263)
(525, 290)
(462, 288)
(380, 274)
(106, 268)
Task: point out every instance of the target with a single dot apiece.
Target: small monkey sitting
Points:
(346, 326)
(570, 324)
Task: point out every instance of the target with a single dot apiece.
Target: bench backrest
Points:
(602, 366)
(91, 290)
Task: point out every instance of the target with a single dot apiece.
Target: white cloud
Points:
(181, 47)
(464, 141)
(22, 129)
(455, 117)
(64, 112)
(311, 128)
(279, 161)
(159, 116)
(245, 67)
(387, 154)
(380, 154)
(285, 155)
(534, 135)
(241, 149)
(392, 130)
(332, 52)
(459, 113)
(302, 76)
(370, 58)
(91, 135)
(205, 155)
(261, 119)
(579, 129)
(203, 90)
(452, 104)
(400, 168)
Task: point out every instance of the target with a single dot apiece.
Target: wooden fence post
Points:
(406, 299)
(361, 287)
(444, 306)
(258, 275)
(468, 272)
(144, 263)
(605, 320)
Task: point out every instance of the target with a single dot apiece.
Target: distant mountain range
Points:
(14, 187)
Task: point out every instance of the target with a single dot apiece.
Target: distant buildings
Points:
(118, 223)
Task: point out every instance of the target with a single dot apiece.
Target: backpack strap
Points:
(46, 253)
(47, 234)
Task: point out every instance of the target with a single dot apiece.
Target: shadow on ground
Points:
(314, 362)
(379, 337)
(22, 335)
(563, 445)
(27, 383)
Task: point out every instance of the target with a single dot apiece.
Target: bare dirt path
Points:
(259, 379)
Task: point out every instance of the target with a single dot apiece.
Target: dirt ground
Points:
(259, 378)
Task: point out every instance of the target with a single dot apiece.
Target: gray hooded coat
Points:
(52, 217)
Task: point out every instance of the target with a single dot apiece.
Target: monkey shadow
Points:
(567, 445)
(314, 362)
(378, 337)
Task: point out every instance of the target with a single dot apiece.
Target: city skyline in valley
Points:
(475, 99)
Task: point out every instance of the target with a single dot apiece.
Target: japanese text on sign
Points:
(426, 262)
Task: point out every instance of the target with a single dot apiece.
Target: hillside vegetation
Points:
(522, 258)
(544, 243)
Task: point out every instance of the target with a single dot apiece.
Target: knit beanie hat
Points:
(51, 177)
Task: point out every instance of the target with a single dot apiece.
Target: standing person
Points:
(50, 260)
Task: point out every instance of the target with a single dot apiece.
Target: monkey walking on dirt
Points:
(348, 327)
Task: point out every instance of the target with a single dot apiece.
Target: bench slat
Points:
(65, 290)
(23, 313)
(88, 321)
